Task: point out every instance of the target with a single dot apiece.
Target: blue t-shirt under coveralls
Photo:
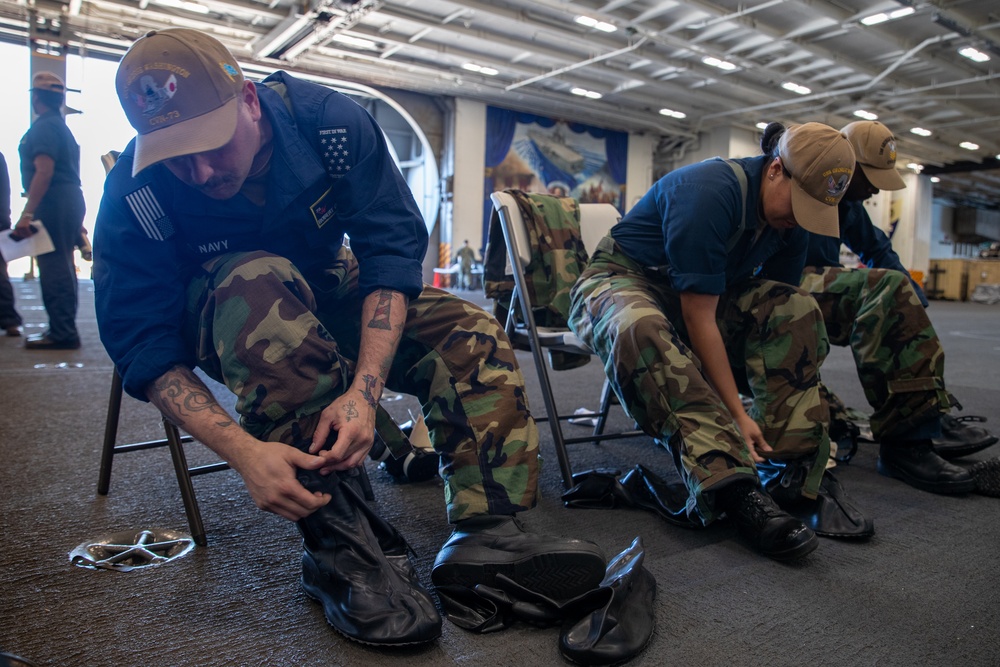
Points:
(330, 175)
(685, 222)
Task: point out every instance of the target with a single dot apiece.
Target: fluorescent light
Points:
(583, 92)
(356, 42)
(915, 167)
(721, 64)
(473, 67)
(920, 132)
(761, 125)
(867, 115)
(595, 24)
(673, 114)
(969, 146)
(875, 19)
(973, 54)
(935, 179)
(185, 5)
(900, 13)
(795, 88)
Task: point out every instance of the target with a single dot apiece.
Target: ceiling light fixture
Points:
(721, 64)
(935, 179)
(583, 92)
(185, 5)
(673, 114)
(595, 24)
(915, 167)
(762, 125)
(920, 132)
(974, 54)
(795, 88)
(882, 17)
(356, 42)
(867, 115)
(473, 67)
(969, 146)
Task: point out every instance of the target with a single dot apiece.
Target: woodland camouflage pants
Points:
(898, 354)
(775, 339)
(286, 346)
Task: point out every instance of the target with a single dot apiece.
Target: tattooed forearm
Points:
(370, 390)
(380, 320)
(179, 394)
(351, 411)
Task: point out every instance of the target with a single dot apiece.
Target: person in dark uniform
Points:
(10, 320)
(220, 243)
(698, 286)
(50, 175)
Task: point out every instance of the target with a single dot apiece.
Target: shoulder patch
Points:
(149, 214)
(336, 151)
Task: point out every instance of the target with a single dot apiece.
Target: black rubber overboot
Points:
(483, 547)
(831, 514)
(356, 565)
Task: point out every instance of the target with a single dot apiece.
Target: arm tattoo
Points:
(350, 411)
(380, 320)
(177, 398)
(371, 385)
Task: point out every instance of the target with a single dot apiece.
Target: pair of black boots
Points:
(357, 565)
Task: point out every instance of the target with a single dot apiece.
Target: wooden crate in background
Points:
(948, 279)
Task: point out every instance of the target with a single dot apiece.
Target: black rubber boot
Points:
(916, 463)
(482, 547)
(769, 529)
(357, 566)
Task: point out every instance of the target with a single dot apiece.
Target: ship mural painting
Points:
(537, 154)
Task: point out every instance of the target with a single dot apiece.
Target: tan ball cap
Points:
(48, 81)
(821, 162)
(180, 91)
(875, 148)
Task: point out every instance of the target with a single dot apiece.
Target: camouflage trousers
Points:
(775, 339)
(898, 354)
(286, 347)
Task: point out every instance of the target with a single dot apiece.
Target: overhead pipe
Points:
(570, 68)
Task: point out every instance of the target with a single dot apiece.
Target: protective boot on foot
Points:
(356, 565)
(482, 547)
(960, 438)
(769, 529)
(916, 463)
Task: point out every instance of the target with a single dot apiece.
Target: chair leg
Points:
(110, 434)
(184, 482)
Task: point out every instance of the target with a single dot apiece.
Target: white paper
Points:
(38, 243)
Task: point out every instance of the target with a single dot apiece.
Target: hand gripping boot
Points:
(356, 565)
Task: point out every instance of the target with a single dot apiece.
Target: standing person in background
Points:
(10, 321)
(465, 257)
(50, 175)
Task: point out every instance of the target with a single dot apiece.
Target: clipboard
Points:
(38, 243)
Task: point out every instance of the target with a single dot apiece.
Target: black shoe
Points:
(767, 527)
(987, 476)
(483, 547)
(915, 463)
(356, 565)
(959, 438)
(43, 342)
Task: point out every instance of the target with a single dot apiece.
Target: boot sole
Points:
(942, 488)
(318, 599)
(958, 451)
(796, 552)
(558, 576)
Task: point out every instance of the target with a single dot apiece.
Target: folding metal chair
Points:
(595, 222)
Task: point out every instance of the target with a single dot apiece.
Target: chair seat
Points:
(551, 337)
